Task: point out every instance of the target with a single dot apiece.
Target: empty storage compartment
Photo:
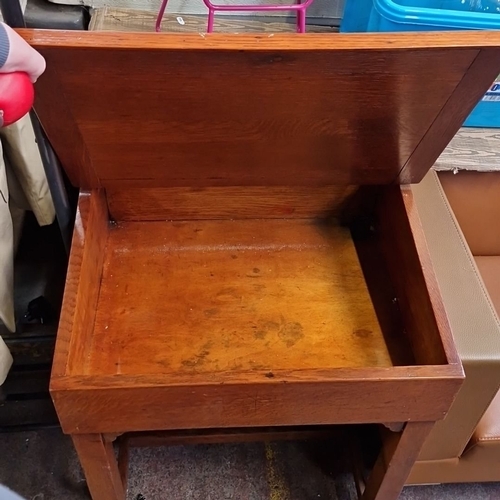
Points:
(246, 252)
(262, 295)
(236, 295)
(246, 255)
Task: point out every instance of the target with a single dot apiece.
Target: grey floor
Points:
(43, 466)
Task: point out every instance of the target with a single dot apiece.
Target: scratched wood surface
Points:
(242, 295)
(119, 19)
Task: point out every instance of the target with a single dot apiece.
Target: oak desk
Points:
(253, 261)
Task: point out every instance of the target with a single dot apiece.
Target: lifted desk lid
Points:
(170, 110)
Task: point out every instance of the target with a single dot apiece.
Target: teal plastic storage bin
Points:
(431, 15)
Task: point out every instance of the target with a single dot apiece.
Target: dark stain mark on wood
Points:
(260, 334)
(257, 366)
(362, 333)
(200, 358)
(291, 333)
(163, 362)
(211, 312)
(254, 273)
(263, 328)
(227, 294)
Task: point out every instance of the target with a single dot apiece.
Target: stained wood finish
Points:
(128, 360)
(98, 461)
(394, 463)
(189, 397)
(232, 295)
(302, 397)
(481, 73)
(196, 324)
(369, 42)
(412, 275)
(244, 435)
(82, 282)
(266, 202)
(382, 293)
(320, 110)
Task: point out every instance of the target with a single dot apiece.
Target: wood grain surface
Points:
(411, 272)
(242, 435)
(163, 281)
(254, 322)
(116, 19)
(82, 282)
(394, 464)
(254, 202)
(209, 297)
(479, 77)
(304, 397)
(432, 294)
(320, 110)
(369, 42)
(98, 461)
(142, 364)
(382, 293)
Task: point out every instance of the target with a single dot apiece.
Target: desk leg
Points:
(395, 461)
(100, 466)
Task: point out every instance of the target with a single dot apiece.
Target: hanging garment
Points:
(6, 269)
(23, 186)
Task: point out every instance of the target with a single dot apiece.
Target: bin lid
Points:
(197, 110)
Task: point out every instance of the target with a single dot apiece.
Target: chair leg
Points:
(301, 21)
(161, 12)
(211, 18)
(395, 462)
(100, 466)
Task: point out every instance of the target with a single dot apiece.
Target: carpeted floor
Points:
(43, 466)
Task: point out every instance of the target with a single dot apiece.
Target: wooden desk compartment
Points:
(274, 314)
(244, 253)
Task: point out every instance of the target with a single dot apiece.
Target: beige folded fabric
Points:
(6, 269)
(24, 159)
(23, 186)
(6, 252)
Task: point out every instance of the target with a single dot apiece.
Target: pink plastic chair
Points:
(299, 7)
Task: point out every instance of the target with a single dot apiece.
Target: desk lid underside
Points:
(147, 110)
